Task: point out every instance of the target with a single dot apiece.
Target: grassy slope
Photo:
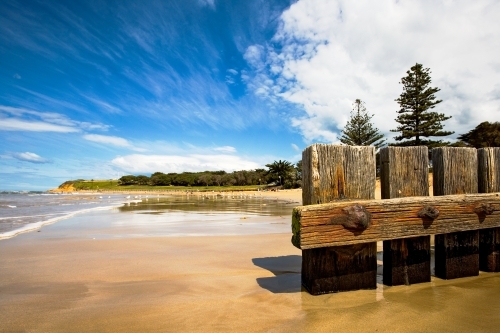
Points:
(112, 185)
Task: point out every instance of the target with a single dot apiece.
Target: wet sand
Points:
(84, 275)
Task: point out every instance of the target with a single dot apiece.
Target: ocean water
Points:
(28, 211)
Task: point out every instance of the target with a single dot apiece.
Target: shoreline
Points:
(286, 195)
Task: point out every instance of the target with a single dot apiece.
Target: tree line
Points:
(279, 173)
(417, 122)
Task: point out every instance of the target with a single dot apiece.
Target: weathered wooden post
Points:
(488, 160)
(404, 172)
(330, 173)
(455, 172)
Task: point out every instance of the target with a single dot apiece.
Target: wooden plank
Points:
(329, 173)
(407, 261)
(489, 250)
(404, 173)
(339, 268)
(459, 255)
(455, 172)
(488, 165)
(330, 224)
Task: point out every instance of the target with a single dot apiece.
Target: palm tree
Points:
(280, 170)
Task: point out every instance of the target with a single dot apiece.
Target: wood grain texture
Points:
(404, 172)
(458, 255)
(339, 268)
(407, 261)
(332, 172)
(455, 172)
(488, 165)
(318, 225)
(489, 250)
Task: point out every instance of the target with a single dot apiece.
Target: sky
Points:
(98, 89)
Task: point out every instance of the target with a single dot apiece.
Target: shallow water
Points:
(176, 216)
(26, 211)
(23, 212)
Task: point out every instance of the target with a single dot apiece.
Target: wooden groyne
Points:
(340, 224)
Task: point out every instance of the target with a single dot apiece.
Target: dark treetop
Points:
(359, 130)
(415, 117)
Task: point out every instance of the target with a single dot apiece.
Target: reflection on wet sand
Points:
(206, 205)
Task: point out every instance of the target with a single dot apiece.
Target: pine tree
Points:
(359, 130)
(415, 117)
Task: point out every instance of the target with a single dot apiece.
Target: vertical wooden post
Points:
(488, 165)
(455, 172)
(404, 172)
(329, 173)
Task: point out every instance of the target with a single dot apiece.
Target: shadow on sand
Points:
(286, 270)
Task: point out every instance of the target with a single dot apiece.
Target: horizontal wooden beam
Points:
(349, 222)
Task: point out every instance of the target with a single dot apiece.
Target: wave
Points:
(37, 225)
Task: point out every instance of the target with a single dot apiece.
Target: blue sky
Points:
(100, 89)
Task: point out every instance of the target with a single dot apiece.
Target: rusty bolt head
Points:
(429, 212)
(358, 218)
(484, 209)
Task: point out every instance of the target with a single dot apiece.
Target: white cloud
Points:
(254, 56)
(11, 124)
(226, 149)
(104, 105)
(22, 119)
(107, 139)
(328, 53)
(295, 147)
(111, 140)
(30, 157)
(139, 163)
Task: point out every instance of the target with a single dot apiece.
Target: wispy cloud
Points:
(8, 124)
(21, 119)
(226, 149)
(103, 105)
(138, 163)
(112, 140)
(30, 157)
(295, 147)
(17, 76)
(208, 3)
(323, 57)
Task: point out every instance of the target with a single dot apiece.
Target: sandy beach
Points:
(92, 274)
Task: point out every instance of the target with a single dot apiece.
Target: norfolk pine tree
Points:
(359, 130)
(415, 117)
